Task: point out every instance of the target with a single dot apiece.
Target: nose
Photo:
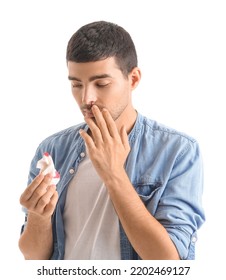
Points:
(88, 96)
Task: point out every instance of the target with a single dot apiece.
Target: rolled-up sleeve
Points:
(180, 208)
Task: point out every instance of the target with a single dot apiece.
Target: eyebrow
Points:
(95, 77)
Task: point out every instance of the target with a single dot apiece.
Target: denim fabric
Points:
(164, 167)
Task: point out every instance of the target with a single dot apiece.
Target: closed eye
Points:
(102, 85)
(77, 85)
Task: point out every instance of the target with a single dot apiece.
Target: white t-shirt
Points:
(90, 221)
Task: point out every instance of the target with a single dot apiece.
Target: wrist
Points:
(116, 179)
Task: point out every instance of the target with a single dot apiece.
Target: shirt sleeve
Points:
(180, 207)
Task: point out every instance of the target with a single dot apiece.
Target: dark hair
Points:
(100, 40)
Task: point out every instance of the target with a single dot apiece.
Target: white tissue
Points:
(46, 166)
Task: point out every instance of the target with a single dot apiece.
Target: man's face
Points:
(101, 83)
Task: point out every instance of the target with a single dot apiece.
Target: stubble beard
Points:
(115, 113)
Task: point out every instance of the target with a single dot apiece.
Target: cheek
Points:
(118, 99)
(77, 97)
(123, 94)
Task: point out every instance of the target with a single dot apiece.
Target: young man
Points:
(130, 188)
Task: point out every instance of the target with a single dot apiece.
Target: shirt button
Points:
(82, 155)
(71, 171)
(194, 239)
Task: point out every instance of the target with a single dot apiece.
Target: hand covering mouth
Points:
(87, 113)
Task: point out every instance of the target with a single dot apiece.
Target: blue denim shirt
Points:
(164, 167)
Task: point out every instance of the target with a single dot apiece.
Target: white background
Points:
(181, 51)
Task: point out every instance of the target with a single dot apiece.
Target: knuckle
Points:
(38, 192)
(52, 204)
(24, 202)
(102, 123)
(43, 201)
(29, 206)
(22, 199)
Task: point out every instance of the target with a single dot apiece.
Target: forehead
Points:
(84, 70)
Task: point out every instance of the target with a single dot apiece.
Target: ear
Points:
(135, 76)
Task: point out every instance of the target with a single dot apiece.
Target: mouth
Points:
(87, 113)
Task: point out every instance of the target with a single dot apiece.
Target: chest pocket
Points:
(150, 193)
